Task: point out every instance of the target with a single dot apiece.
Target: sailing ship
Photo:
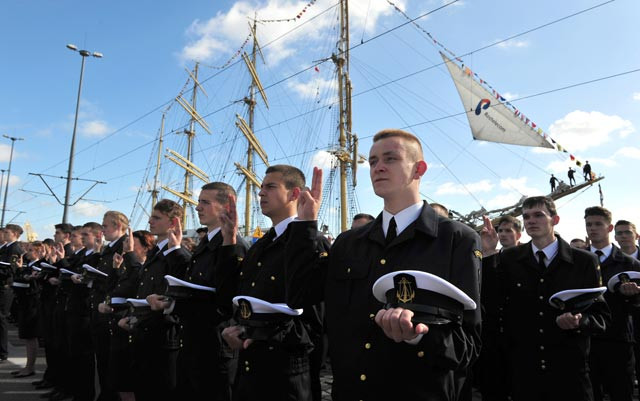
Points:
(235, 133)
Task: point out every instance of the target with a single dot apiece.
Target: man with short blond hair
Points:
(378, 352)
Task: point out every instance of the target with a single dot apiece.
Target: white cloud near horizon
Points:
(513, 44)
(89, 209)
(517, 187)
(636, 96)
(94, 128)
(450, 188)
(581, 130)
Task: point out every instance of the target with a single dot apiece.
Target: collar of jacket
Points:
(427, 223)
(564, 251)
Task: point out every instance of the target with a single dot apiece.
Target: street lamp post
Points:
(83, 53)
(6, 188)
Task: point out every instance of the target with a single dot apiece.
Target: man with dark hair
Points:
(153, 344)
(611, 358)
(491, 373)
(547, 347)
(202, 232)
(626, 236)
(10, 251)
(553, 181)
(572, 179)
(376, 350)
(63, 236)
(277, 367)
(586, 171)
(361, 219)
(200, 366)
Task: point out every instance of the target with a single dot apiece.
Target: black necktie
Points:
(600, 254)
(270, 235)
(391, 231)
(541, 258)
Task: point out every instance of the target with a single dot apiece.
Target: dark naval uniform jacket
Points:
(367, 365)
(200, 374)
(546, 362)
(277, 368)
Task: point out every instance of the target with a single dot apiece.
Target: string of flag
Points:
(491, 89)
(235, 56)
(298, 16)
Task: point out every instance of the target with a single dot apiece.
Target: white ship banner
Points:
(489, 118)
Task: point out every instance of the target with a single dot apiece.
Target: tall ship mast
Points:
(252, 183)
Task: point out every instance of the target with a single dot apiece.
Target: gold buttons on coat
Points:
(367, 346)
(383, 261)
(420, 354)
(363, 377)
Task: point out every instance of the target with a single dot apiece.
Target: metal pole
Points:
(6, 188)
(73, 146)
(2, 180)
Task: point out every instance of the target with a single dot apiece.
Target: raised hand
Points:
(489, 237)
(117, 260)
(58, 250)
(229, 222)
(310, 200)
(175, 234)
(127, 245)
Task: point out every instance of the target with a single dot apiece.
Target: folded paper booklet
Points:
(93, 270)
(176, 282)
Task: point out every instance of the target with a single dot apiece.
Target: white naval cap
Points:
(138, 303)
(576, 300)
(259, 306)
(432, 299)
(624, 277)
(91, 269)
(65, 271)
(48, 266)
(184, 289)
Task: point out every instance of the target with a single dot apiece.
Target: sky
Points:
(552, 72)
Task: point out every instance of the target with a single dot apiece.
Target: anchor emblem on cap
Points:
(405, 293)
(245, 309)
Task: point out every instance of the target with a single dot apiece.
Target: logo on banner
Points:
(483, 104)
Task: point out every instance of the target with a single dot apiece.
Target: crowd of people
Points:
(406, 304)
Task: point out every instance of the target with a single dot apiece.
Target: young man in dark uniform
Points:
(154, 357)
(626, 236)
(490, 372)
(547, 349)
(611, 357)
(201, 371)
(279, 367)
(379, 353)
(10, 249)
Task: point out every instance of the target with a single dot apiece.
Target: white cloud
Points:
(14, 180)
(581, 130)
(511, 44)
(517, 187)
(323, 159)
(89, 209)
(216, 39)
(314, 88)
(94, 129)
(510, 96)
(450, 188)
(628, 152)
(636, 96)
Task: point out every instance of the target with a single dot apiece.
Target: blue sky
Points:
(148, 44)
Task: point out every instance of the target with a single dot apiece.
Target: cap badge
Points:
(245, 308)
(405, 292)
